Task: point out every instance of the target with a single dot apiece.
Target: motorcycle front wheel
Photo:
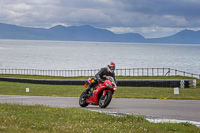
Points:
(104, 101)
(82, 101)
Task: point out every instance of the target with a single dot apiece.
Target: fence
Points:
(118, 72)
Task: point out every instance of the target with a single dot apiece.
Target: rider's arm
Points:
(114, 78)
(99, 74)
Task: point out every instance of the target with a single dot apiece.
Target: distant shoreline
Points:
(99, 42)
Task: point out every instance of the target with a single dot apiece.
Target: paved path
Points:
(153, 108)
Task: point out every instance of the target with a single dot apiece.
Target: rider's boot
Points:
(86, 91)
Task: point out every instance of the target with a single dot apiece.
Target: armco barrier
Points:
(133, 83)
(158, 83)
(45, 81)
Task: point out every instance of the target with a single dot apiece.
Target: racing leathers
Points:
(99, 76)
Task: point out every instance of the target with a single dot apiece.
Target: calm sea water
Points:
(63, 55)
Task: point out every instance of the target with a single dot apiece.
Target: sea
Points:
(79, 55)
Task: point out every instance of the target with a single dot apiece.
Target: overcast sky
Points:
(150, 18)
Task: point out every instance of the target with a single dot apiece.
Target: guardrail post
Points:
(152, 72)
(175, 72)
(157, 72)
(163, 71)
(142, 72)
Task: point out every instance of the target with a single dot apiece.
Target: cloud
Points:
(125, 14)
(185, 9)
(148, 32)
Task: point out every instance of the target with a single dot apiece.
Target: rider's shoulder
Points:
(104, 68)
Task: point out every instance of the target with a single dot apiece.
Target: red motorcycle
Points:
(101, 94)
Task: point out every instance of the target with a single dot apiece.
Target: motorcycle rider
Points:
(107, 71)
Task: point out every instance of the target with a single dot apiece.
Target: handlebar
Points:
(103, 80)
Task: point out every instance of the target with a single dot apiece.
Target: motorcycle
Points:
(101, 94)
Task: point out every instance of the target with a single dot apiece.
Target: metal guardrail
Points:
(118, 72)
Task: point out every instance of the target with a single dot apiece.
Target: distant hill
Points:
(8, 31)
(182, 37)
(89, 33)
(72, 33)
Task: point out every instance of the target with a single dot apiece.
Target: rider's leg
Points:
(88, 88)
(94, 82)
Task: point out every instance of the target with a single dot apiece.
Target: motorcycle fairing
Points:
(98, 89)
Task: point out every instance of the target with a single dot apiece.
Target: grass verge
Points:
(18, 118)
(13, 88)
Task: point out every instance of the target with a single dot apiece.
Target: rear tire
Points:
(82, 100)
(104, 101)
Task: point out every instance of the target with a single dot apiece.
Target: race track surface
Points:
(150, 108)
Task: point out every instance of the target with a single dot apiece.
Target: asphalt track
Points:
(150, 108)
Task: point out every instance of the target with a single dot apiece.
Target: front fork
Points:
(104, 92)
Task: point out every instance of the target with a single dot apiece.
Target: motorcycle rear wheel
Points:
(104, 101)
(82, 101)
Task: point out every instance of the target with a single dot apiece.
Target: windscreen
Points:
(111, 79)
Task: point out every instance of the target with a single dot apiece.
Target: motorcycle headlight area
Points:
(108, 85)
(115, 88)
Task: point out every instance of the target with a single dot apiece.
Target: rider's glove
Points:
(99, 80)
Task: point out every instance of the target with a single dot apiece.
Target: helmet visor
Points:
(112, 68)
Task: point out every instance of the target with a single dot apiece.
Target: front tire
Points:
(82, 100)
(104, 101)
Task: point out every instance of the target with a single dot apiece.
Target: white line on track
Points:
(154, 120)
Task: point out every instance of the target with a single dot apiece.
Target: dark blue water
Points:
(62, 55)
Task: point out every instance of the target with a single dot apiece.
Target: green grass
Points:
(18, 118)
(157, 93)
(13, 88)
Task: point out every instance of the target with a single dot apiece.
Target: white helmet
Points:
(111, 67)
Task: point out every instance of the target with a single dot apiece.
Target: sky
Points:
(150, 18)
